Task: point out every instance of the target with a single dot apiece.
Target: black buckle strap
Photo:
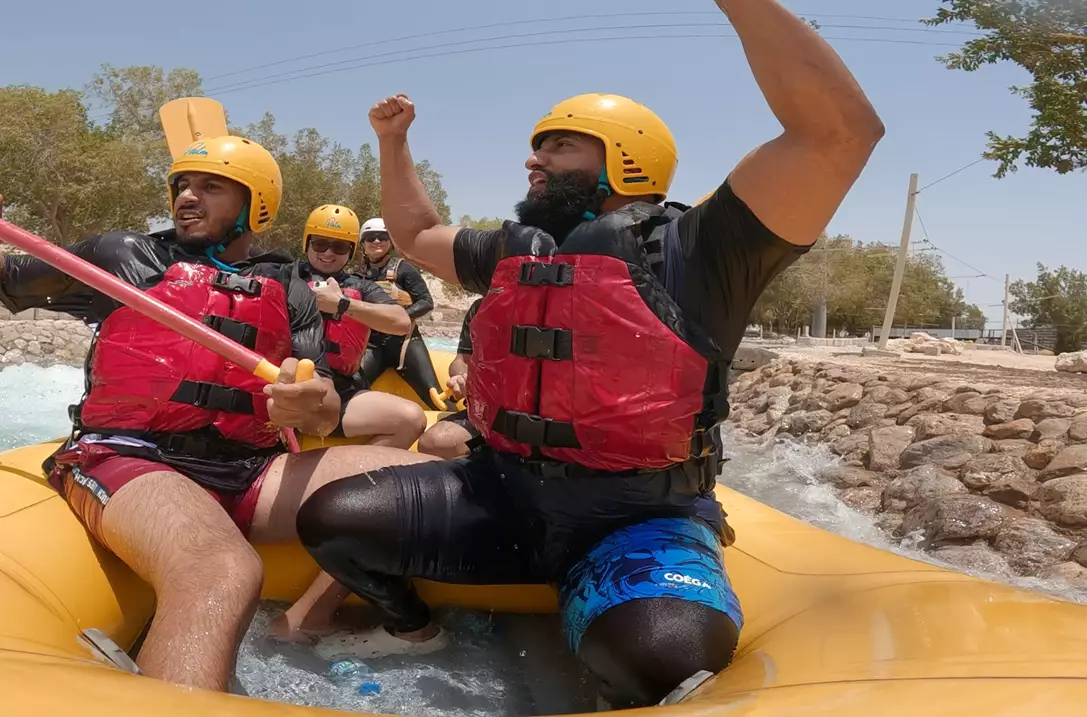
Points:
(330, 347)
(537, 273)
(213, 397)
(535, 430)
(235, 283)
(536, 342)
(244, 334)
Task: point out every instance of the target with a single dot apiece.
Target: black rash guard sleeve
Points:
(409, 278)
(30, 283)
(476, 253)
(370, 292)
(307, 326)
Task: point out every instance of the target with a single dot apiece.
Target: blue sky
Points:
(475, 109)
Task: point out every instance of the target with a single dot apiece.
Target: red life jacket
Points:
(345, 339)
(146, 378)
(580, 356)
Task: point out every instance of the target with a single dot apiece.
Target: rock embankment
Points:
(44, 342)
(980, 479)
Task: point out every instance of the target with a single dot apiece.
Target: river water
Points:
(497, 665)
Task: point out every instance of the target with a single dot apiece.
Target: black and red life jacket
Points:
(580, 355)
(345, 339)
(146, 378)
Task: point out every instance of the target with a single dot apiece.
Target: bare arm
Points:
(387, 318)
(459, 366)
(413, 223)
(795, 183)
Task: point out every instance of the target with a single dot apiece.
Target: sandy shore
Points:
(1018, 375)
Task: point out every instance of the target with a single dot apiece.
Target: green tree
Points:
(481, 223)
(854, 279)
(1047, 38)
(319, 171)
(66, 178)
(1055, 299)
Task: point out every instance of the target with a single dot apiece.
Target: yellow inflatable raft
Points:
(833, 627)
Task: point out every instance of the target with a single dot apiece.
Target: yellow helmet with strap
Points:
(639, 150)
(243, 161)
(333, 221)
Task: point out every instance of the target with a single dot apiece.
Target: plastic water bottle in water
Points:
(343, 670)
(369, 688)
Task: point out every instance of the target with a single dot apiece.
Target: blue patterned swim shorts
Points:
(660, 558)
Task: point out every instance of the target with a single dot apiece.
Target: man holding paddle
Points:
(175, 460)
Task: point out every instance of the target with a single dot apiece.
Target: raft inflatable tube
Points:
(833, 627)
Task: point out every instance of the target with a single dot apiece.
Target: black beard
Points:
(561, 206)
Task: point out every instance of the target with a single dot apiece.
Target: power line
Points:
(928, 241)
(949, 176)
(383, 58)
(571, 18)
(282, 77)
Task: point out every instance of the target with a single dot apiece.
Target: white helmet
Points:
(373, 226)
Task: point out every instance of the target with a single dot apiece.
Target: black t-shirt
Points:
(141, 260)
(464, 345)
(722, 261)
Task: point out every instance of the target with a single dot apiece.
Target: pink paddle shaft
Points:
(149, 306)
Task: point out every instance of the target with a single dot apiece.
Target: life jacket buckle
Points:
(535, 430)
(234, 283)
(537, 273)
(236, 331)
(536, 342)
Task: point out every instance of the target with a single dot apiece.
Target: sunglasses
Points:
(338, 246)
(374, 238)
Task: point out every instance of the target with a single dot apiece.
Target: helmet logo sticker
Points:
(197, 149)
(332, 223)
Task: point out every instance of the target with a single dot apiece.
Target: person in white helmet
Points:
(405, 284)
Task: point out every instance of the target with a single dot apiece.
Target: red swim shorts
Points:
(89, 474)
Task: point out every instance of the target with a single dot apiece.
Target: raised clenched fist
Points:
(392, 116)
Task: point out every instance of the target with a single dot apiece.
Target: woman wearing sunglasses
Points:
(352, 307)
(403, 282)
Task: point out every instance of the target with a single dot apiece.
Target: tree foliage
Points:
(77, 163)
(1047, 38)
(481, 223)
(855, 279)
(318, 171)
(1055, 299)
(64, 177)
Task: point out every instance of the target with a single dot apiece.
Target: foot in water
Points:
(381, 642)
(282, 629)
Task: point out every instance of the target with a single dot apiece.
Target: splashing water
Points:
(496, 664)
(34, 403)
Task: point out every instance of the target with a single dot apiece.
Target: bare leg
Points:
(312, 615)
(290, 480)
(446, 440)
(388, 420)
(206, 577)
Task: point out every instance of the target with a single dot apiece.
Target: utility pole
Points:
(900, 267)
(1007, 294)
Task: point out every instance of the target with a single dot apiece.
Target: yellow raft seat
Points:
(833, 627)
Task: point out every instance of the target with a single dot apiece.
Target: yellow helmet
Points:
(639, 150)
(332, 220)
(243, 161)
